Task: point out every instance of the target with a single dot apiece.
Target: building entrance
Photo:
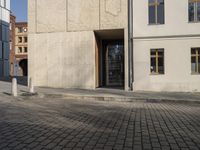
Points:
(114, 64)
(110, 58)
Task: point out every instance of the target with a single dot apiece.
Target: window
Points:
(157, 61)
(156, 12)
(194, 10)
(25, 39)
(195, 60)
(19, 49)
(25, 50)
(19, 39)
(20, 29)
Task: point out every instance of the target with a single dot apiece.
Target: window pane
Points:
(152, 18)
(161, 64)
(153, 65)
(198, 11)
(191, 12)
(193, 65)
(151, 1)
(193, 51)
(160, 14)
(153, 52)
(160, 1)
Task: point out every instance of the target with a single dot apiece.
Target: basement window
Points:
(195, 60)
(157, 61)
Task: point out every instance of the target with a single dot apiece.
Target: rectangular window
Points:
(25, 49)
(19, 49)
(194, 10)
(157, 61)
(19, 39)
(25, 39)
(156, 12)
(20, 30)
(195, 60)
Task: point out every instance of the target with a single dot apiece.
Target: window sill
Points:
(156, 74)
(193, 22)
(155, 24)
(195, 74)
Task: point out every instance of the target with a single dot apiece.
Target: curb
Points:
(117, 98)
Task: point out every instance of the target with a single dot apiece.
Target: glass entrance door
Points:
(115, 65)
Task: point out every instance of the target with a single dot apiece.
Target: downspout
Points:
(130, 45)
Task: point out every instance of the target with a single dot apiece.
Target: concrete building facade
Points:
(84, 44)
(4, 37)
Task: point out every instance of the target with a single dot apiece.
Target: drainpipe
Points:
(130, 45)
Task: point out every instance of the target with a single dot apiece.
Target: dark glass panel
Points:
(152, 18)
(160, 1)
(198, 11)
(161, 64)
(152, 1)
(191, 12)
(160, 14)
(193, 65)
(153, 65)
(193, 51)
(153, 52)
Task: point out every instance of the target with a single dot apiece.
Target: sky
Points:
(19, 9)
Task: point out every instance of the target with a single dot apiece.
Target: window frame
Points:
(156, 56)
(156, 4)
(195, 11)
(197, 60)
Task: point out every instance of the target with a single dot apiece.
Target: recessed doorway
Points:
(110, 59)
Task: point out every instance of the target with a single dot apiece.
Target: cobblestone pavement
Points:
(55, 124)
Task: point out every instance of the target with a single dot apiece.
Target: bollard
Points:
(14, 87)
(31, 87)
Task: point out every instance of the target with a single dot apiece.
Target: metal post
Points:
(130, 44)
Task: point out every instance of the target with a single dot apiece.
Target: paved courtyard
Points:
(54, 123)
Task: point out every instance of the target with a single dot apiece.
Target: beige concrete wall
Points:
(113, 14)
(31, 16)
(61, 62)
(177, 60)
(83, 15)
(76, 15)
(51, 15)
(62, 41)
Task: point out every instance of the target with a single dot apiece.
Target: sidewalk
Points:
(119, 95)
(5, 86)
(102, 94)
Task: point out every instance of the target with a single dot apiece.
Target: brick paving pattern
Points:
(56, 124)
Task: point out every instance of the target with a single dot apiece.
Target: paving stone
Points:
(51, 123)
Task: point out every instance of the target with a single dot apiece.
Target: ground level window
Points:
(195, 60)
(157, 61)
